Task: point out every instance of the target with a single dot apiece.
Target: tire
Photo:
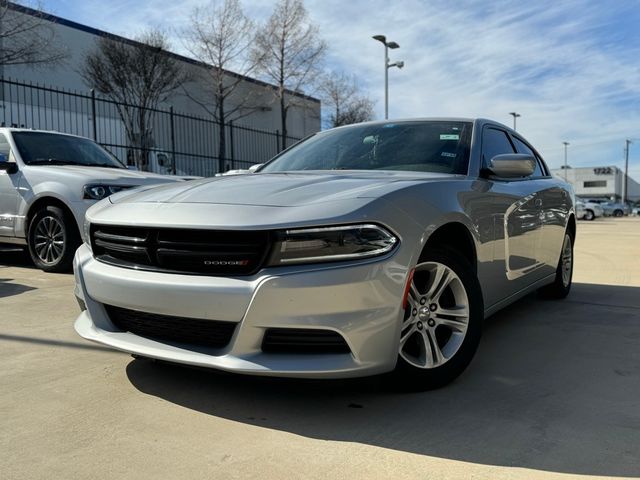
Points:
(561, 285)
(432, 354)
(589, 215)
(618, 213)
(53, 239)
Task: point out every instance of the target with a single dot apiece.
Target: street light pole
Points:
(566, 144)
(627, 142)
(386, 81)
(387, 66)
(514, 115)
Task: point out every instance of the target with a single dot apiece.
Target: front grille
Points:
(299, 340)
(206, 252)
(195, 331)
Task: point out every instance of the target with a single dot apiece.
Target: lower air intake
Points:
(194, 331)
(299, 340)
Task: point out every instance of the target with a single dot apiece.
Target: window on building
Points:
(595, 184)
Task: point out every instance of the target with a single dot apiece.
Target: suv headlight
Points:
(331, 244)
(98, 191)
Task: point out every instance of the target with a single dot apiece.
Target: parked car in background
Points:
(361, 250)
(47, 182)
(161, 162)
(586, 210)
(612, 209)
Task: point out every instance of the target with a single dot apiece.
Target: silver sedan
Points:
(367, 249)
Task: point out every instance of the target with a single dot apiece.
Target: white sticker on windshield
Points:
(448, 154)
(449, 136)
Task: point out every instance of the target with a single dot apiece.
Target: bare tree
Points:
(221, 36)
(137, 76)
(340, 92)
(27, 37)
(289, 52)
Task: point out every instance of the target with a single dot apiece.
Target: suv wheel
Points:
(53, 239)
(588, 215)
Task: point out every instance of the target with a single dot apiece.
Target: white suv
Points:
(47, 182)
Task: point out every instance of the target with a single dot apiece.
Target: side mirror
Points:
(512, 165)
(6, 165)
(255, 167)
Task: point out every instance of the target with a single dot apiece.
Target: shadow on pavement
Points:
(14, 256)
(555, 386)
(10, 289)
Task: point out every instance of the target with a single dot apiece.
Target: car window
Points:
(5, 148)
(42, 148)
(494, 142)
(522, 147)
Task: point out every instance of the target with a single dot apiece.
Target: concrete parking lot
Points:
(554, 391)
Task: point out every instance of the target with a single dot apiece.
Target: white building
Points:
(254, 136)
(600, 182)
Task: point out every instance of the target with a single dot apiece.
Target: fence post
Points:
(93, 115)
(233, 157)
(173, 141)
(277, 141)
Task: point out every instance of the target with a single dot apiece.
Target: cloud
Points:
(569, 68)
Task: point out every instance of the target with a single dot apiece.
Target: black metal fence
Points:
(189, 144)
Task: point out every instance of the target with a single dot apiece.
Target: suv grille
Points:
(303, 340)
(206, 252)
(195, 331)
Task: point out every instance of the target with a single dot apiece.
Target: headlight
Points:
(100, 191)
(331, 244)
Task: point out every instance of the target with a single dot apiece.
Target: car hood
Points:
(280, 189)
(98, 174)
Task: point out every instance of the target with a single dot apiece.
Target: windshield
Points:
(427, 146)
(40, 148)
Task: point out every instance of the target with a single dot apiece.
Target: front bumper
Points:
(360, 301)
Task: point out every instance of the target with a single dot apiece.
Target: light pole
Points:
(514, 115)
(387, 66)
(566, 144)
(627, 143)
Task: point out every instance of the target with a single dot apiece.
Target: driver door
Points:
(517, 221)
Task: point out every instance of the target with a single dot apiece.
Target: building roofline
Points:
(101, 33)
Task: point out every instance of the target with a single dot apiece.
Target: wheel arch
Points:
(571, 226)
(453, 235)
(48, 201)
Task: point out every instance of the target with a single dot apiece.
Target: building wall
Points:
(80, 39)
(599, 182)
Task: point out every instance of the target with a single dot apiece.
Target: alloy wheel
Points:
(49, 239)
(436, 318)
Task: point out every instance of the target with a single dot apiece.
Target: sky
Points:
(571, 69)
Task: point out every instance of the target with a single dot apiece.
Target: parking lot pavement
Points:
(553, 393)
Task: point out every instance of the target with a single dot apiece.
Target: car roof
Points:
(477, 121)
(33, 130)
